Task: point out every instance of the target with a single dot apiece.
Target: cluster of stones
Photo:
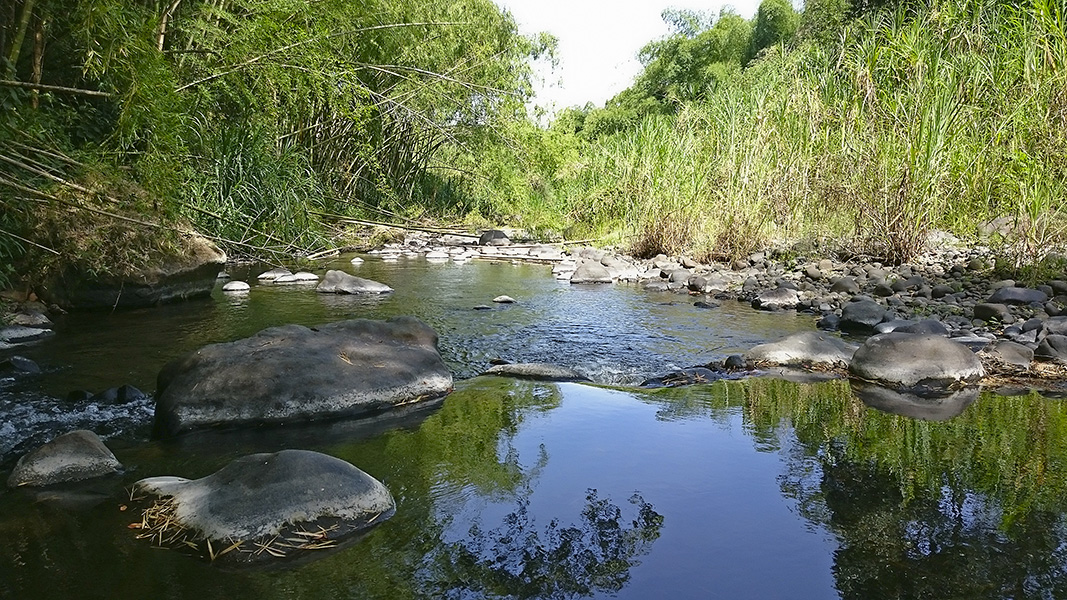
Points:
(29, 322)
(947, 292)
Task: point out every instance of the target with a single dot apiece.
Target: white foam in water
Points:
(29, 420)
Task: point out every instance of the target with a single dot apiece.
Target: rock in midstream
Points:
(295, 373)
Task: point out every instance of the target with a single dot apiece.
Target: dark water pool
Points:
(508, 489)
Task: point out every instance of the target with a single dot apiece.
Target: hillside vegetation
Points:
(124, 123)
(859, 126)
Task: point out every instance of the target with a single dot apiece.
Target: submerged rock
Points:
(72, 456)
(295, 373)
(909, 360)
(808, 348)
(339, 282)
(688, 376)
(536, 371)
(313, 499)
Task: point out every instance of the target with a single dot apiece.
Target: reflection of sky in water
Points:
(724, 516)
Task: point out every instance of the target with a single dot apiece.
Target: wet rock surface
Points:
(313, 499)
(807, 349)
(339, 282)
(536, 371)
(73, 456)
(906, 360)
(295, 373)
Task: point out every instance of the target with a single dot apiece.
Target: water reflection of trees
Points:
(519, 560)
(973, 507)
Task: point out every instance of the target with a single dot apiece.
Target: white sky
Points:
(599, 41)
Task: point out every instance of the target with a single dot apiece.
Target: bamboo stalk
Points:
(55, 88)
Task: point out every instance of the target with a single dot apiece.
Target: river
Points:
(759, 488)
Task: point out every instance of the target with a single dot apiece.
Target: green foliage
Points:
(823, 21)
(250, 119)
(911, 118)
(776, 22)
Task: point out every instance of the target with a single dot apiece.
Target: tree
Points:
(776, 22)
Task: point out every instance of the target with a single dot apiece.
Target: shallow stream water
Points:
(509, 489)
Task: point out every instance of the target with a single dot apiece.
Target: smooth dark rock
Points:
(809, 348)
(883, 290)
(493, 237)
(339, 282)
(1052, 349)
(1010, 353)
(908, 360)
(925, 326)
(829, 322)
(72, 456)
(1054, 326)
(536, 371)
(260, 496)
(119, 395)
(861, 316)
(1017, 295)
(705, 305)
(734, 362)
(891, 326)
(989, 311)
(845, 285)
(295, 373)
(19, 364)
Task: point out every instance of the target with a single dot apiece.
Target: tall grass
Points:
(938, 117)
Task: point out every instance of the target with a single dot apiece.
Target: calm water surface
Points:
(509, 489)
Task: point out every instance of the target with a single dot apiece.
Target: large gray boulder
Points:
(339, 282)
(1017, 295)
(312, 500)
(70, 457)
(295, 373)
(808, 348)
(190, 272)
(591, 271)
(909, 359)
(536, 371)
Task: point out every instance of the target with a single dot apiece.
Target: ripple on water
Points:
(28, 420)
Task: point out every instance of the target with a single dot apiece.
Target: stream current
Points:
(758, 488)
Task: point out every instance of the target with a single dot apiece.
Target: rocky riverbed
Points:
(1018, 331)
